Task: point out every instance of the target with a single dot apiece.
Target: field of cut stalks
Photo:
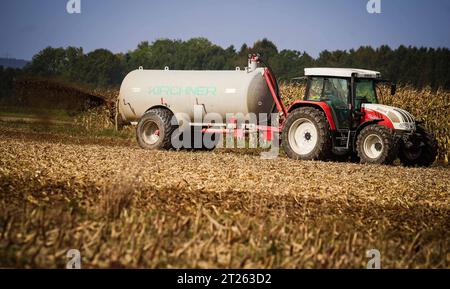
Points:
(125, 207)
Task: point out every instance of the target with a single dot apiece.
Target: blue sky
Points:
(28, 26)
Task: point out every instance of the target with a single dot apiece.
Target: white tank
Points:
(236, 91)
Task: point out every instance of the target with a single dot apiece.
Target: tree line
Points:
(101, 68)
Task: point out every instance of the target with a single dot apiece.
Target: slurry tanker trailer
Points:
(339, 115)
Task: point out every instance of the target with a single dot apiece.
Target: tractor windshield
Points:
(365, 88)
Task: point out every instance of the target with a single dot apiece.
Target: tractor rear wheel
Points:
(376, 144)
(306, 135)
(422, 155)
(154, 129)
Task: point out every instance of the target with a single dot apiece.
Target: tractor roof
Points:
(341, 72)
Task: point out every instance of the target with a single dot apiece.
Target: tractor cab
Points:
(344, 91)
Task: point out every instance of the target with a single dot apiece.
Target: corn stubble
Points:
(125, 207)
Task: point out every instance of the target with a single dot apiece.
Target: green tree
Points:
(266, 48)
(416, 66)
(141, 56)
(102, 68)
(48, 62)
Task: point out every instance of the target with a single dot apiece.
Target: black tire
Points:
(423, 156)
(385, 151)
(157, 118)
(322, 147)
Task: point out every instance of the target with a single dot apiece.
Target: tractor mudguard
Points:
(316, 104)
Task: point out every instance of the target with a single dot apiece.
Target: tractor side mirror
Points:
(393, 88)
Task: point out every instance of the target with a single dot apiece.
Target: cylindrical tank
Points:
(222, 92)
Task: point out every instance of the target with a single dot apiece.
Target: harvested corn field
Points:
(125, 207)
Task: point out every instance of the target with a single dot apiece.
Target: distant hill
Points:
(12, 62)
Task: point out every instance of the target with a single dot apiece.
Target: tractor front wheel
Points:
(422, 153)
(306, 135)
(376, 144)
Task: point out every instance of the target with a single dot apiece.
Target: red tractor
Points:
(340, 117)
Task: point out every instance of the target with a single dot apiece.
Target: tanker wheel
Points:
(422, 155)
(154, 129)
(376, 144)
(306, 135)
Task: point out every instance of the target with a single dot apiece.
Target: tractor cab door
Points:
(335, 93)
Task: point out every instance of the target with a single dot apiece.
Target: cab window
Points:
(315, 88)
(337, 90)
(365, 89)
